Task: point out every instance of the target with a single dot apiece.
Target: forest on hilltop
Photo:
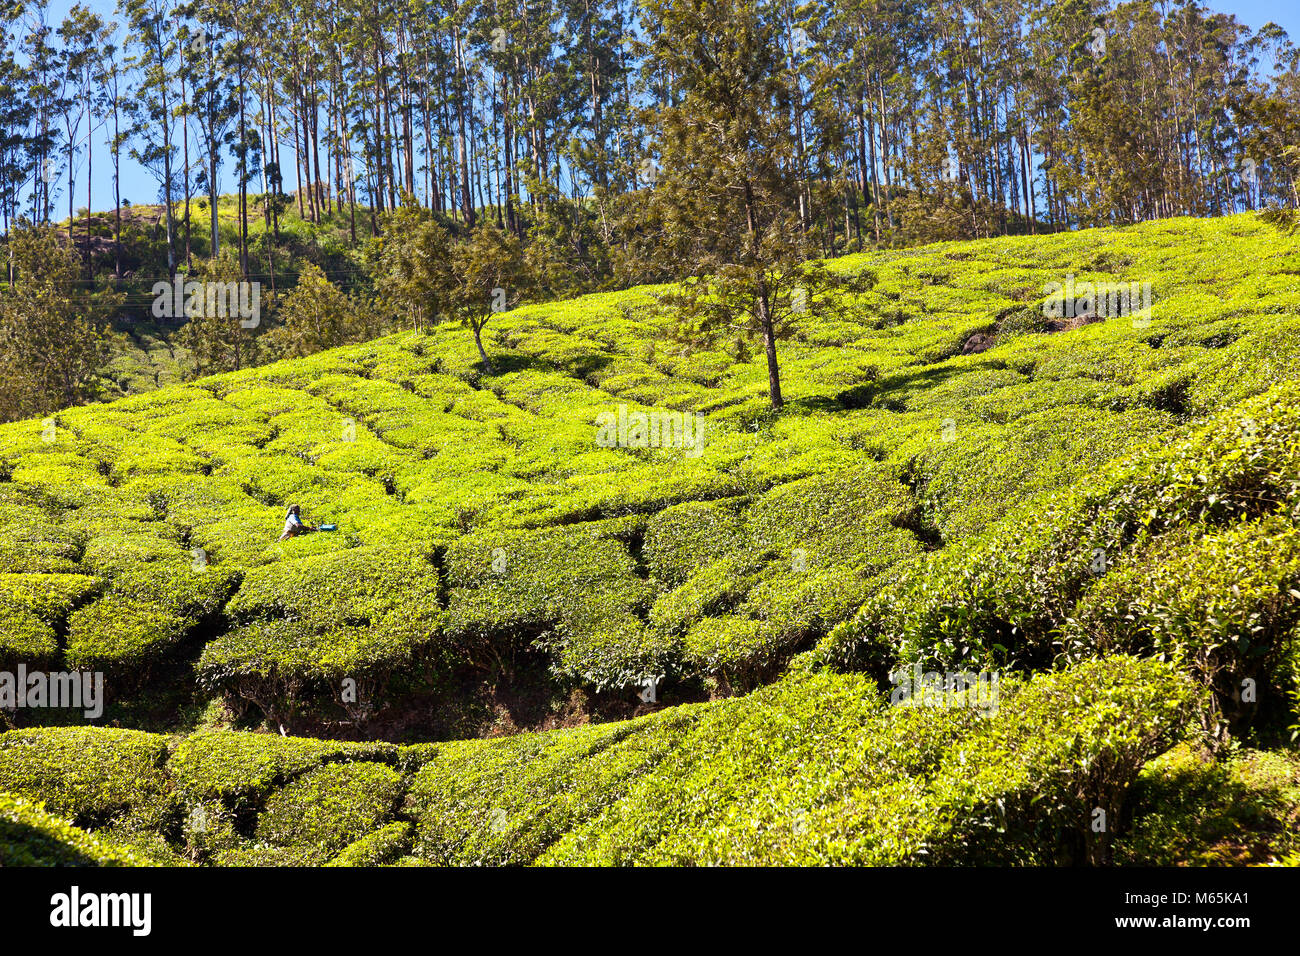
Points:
(567, 147)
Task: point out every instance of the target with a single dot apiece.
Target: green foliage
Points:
(52, 326)
(31, 837)
(816, 771)
(1070, 744)
(491, 275)
(1225, 603)
(975, 546)
(33, 608)
(412, 267)
(303, 628)
(91, 775)
(317, 315)
(576, 588)
(241, 769)
(382, 847)
(144, 615)
(329, 808)
(816, 768)
(724, 204)
(682, 539)
(507, 801)
(1186, 550)
(25, 636)
(219, 338)
(1189, 810)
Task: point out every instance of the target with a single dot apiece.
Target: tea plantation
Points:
(523, 646)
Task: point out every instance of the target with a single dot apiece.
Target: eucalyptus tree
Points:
(111, 80)
(212, 103)
(86, 40)
(45, 76)
(16, 116)
(154, 56)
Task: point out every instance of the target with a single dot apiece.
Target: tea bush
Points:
(31, 837)
(1224, 603)
(90, 775)
(301, 628)
(507, 801)
(25, 637)
(33, 609)
(818, 771)
(1184, 549)
(382, 847)
(143, 616)
(1191, 810)
(681, 539)
(241, 769)
(326, 809)
(578, 587)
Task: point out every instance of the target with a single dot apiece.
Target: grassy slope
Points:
(963, 498)
(144, 355)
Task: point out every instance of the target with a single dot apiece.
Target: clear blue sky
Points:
(139, 187)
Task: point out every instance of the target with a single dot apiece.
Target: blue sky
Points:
(139, 187)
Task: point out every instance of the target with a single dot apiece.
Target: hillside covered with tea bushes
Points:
(523, 646)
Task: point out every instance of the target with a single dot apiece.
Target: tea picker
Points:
(294, 526)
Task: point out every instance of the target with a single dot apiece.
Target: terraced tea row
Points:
(817, 769)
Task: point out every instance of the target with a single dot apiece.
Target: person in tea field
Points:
(293, 524)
